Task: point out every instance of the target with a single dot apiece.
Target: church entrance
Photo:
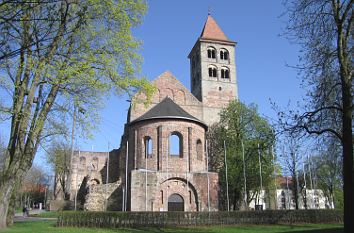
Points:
(175, 203)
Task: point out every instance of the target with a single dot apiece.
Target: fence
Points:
(163, 219)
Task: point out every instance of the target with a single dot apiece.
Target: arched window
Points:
(82, 162)
(212, 71)
(225, 73)
(94, 164)
(224, 54)
(211, 52)
(148, 147)
(176, 144)
(199, 150)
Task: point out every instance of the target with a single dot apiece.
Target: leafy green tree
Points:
(67, 55)
(241, 124)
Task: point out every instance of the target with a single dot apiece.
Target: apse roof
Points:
(167, 109)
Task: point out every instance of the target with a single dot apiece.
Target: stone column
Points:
(159, 148)
(190, 143)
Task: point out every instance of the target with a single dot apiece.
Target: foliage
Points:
(241, 124)
(147, 219)
(57, 56)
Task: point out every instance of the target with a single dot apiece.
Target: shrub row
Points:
(162, 219)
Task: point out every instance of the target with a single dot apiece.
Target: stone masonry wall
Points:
(192, 187)
(193, 157)
(97, 198)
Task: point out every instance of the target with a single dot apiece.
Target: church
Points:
(162, 164)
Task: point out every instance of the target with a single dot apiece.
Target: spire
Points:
(212, 30)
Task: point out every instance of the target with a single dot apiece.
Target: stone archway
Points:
(175, 202)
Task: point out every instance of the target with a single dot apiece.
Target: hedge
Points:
(162, 219)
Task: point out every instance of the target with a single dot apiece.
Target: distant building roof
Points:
(167, 109)
(284, 182)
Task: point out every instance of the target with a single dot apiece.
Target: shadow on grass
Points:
(170, 230)
(325, 230)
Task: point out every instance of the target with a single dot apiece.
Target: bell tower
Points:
(213, 70)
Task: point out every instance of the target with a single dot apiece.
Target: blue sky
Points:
(169, 31)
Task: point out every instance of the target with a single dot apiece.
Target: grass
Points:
(49, 227)
(46, 214)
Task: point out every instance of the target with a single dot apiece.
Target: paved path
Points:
(32, 219)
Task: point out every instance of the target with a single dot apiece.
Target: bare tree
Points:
(324, 30)
(290, 158)
(58, 156)
(327, 166)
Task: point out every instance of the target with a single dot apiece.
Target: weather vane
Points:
(209, 10)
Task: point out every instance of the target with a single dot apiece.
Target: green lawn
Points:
(48, 227)
(46, 214)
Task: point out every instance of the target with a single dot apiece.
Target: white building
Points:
(285, 198)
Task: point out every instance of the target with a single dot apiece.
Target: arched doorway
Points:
(175, 203)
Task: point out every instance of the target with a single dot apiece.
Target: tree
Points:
(58, 156)
(241, 124)
(291, 159)
(328, 170)
(33, 187)
(69, 54)
(324, 30)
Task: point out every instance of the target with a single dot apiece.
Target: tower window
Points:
(148, 147)
(212, 71)
(225, 73)
(176, 144)
(211, 52)
(199, 149)
(224, 54)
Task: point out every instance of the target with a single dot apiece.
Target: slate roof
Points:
(212, 30)
(167, 109)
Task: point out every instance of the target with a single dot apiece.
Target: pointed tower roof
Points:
(212, 30)
(212, 33)
(167, 109)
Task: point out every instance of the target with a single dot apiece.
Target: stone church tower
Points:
(213, 70)
(162, 164)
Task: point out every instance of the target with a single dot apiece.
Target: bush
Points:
(162, 219)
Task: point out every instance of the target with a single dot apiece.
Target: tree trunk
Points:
(6, 189)
(348, 160)
(11, 210)
(295, 190)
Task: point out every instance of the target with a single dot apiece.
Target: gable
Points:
(167, 86)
